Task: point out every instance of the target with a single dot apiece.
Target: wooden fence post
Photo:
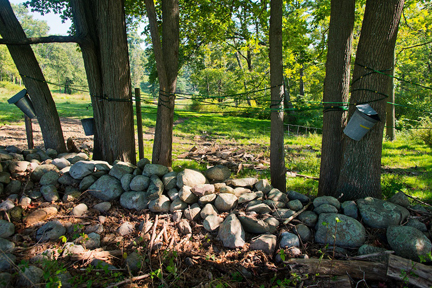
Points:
(139, 123)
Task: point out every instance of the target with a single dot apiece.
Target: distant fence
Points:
(299, 129)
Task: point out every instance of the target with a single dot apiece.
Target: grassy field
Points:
(406, 162)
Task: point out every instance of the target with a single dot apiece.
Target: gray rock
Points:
(18, 166)
(184, 227)
(408, 242)
(160, 205)
(103, 206)
(67, 180)
(139, 183)
(28, 276)
(187, 196)
(142, 163)
(419, 208)
(263, 185)
(218, 173)
(135, 262)
(203, 189)
(92, 242)
(417, 224)
(24, 202)
(238, 191)
(226, 189)
(400, 199)
(344, 232)
(231, 232)
(207, 199)
(86, 182)
(259, 208)
(13, 149)
(72, 249)
(6, 246)
(71, 195)
(212, 222)
(225, 202)
(208, 209)
(170, 180)
(283, 213)
(5, 177)
(178, 205)
(293, 195)
(120, 169)
(289, 240)
(173, 194)
(52, 153)
(191, 178)
(192, 213)
(50, 231)
(65, 278)
(156, 187)
(101, 168)
(5, 280)
(49, 178)
(61, 163)
(325, 208)
(273, 224)
(243, 182)
(276, 195)
(155, 169)
(326, 200)
(126, 180)
(82, 169)
(106, 188)
(34, 194)
(378, 213)
(295, 205)
(14, 187)
(366, 249)
(176, 216)
(126, 228)
(7, 261)
(350, 209)
(133, 200)
(79, 157)
(79, 210)
(265, 243)
(33, 156)
(253, 225)
(247, 197)
(40, 215)
(50, 193)
(7, 228)
(99, 264)
(6, 205)
(303, 232)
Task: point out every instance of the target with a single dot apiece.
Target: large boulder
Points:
(81, 169)
(231, 232)
(408, 242)
(134, 200)
(106, 188)
(377, 213)
(191, 178)
(218, 173)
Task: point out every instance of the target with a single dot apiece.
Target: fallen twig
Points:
(297, 213)
(129, 280)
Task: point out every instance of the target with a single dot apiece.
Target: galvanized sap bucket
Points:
(88, 125)
(22, 101)
(363, 119)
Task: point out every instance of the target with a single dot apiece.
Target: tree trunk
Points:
(391, 112)
(302, 93)
(336, 89)
(104, 48)
(361, 161)
(166, 56)
(277, 158)
(33, 78)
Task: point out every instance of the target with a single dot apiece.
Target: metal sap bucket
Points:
(363, 119)
(23, 102)
(88, 125)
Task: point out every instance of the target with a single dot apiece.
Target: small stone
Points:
(6, 205)
(29, 275)
(106, 188)
(50, 231)
(231, 232)
(102, 207)
(259, 208)
(139, 183)
(293, 195)
(265, 243)
(133, 200)
(61, 163)
(18, 166)
(170, 180)
(6, 246)
(7, 261)
(160, 205)
(24, 201)
(303, 232)
(191, 178)
(203, 189)
(71, 194)
(417, 224)
(126, 180)
(50, 193)
(208, 209)
(247, 197)
(135, 262)
(244, 182)
(283, 213)
(126, 228)
(325, 208)
(16, 214)
(330, 200)
(218, 173)
(308, 218)
(289, 240)
(253, 225)
(274, 204)
(155, 169)
(366, 249)
(120, 169)
(49, 178)
(92, 242)
(39, 215)
(238, 191)
(34, 195)
(349, 208)
(5, 177)
(14, 187)
(7, 229)
(264, 186)
(142, 163)
(400, 199)
(177, 205)
(207, 199)
(156, 188)
(187, 196)
(79, 210)
(192, 213)
(212, 222)
(86, 182)
(276, 195)
(81, 169)
(184, 227)
(225, 202)
(67, 180)
(173, 194)
(295, 205)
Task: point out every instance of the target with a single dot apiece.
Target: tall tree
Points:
(277, 158)
(336, 90)
(33, 79)
(167, 57)
(360, 173)
(102, 27)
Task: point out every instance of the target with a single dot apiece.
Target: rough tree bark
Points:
(101, 27)
(166, 55)
(33, 79)
(277, 158)
(336, 89)
(360, 172)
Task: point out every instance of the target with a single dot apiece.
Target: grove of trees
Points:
(218, 51)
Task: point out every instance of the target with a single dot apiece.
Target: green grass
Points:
(406, 162)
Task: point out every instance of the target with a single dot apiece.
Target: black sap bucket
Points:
(363, 119)
(88, 125)
(23, 102)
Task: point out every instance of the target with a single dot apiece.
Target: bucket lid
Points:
(367, 110)
(17, 97)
